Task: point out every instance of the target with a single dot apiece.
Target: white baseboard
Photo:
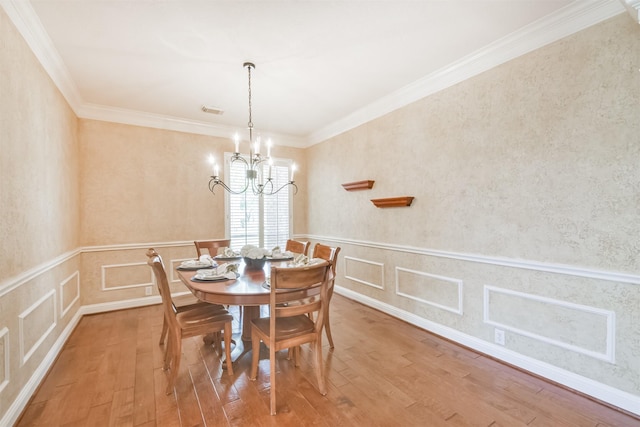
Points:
(584, 385)
(22, 400)
(599, 391)
(119, 305)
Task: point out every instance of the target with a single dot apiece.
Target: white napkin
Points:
(300, 261)
(206, 259)
(220, 271)
(191, 263)
(276, 253)
(229, 253)
(227, 270)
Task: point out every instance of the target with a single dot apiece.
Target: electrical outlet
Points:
(498, 336)
(148, 290)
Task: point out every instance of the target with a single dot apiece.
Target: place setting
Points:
(228, 254)
(205, 261)
(218, 273)
(277, 254)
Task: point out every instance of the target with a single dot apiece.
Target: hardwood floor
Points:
(382, 372)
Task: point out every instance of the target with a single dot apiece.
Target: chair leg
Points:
(255, 350)
(218, 342)
(175, 363)
(319, 368)
(272, 380)
(296, 356)
(164, 330)
(327, 328)
(327, 323)
(227, 347)
(168, 353)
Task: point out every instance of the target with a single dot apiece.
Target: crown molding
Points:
(28, 24)
(568, 20)
(633, 7)
(157, 121)
(30, 27)
(571, 19)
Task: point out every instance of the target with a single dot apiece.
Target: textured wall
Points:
(147, 185)
(39, 208)
(39, 213)
(534, 162)
(141, 186)
(535, 159)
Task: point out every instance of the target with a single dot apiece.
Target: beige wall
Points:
(532, 162)
(527, 168)
(147, 185)
(39, 214)
(142, 187)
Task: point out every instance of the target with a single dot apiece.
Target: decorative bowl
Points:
(254, 263)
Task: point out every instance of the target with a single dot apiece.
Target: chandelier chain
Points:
(250, 123)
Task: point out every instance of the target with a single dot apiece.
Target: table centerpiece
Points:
(254, 257)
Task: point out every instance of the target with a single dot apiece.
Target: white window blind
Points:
(263, 221)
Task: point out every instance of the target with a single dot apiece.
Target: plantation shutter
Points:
(262, 221)
(276, 211)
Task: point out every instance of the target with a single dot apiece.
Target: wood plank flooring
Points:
(383, 372)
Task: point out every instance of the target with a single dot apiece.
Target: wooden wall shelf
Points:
(359, 185)
(393, 202)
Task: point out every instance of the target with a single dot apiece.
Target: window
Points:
(263, 221)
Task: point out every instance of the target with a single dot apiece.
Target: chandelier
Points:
(254, 166)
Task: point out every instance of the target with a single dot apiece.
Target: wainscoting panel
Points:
(69, 293)
(173, 277)
(4, 358)
(579, 328)
(36, 323)
(125, 276)
(368, 273)
(435, 290)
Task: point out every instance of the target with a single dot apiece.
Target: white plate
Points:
(226, 258)
(195, 266)
(209, 278)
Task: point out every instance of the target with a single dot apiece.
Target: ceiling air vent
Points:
(212, 110)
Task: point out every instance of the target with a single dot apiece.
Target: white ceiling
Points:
(322, 67)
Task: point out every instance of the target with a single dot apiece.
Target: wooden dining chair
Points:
(187, 301)
(182, 303)
(211, 246)
(289, 325)
(297, 247)
(329, 254)
(198, 321)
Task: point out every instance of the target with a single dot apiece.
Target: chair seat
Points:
(188, 300)
(286, 327)
(183, 303)
(195, 318)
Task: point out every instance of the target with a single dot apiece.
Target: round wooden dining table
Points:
(249, 290)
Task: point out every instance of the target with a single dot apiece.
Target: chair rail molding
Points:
(612, 276)
(12, 283)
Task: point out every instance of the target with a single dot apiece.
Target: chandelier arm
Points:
(237, 157)
(292, 183)
(217, 181)
(262, 189)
